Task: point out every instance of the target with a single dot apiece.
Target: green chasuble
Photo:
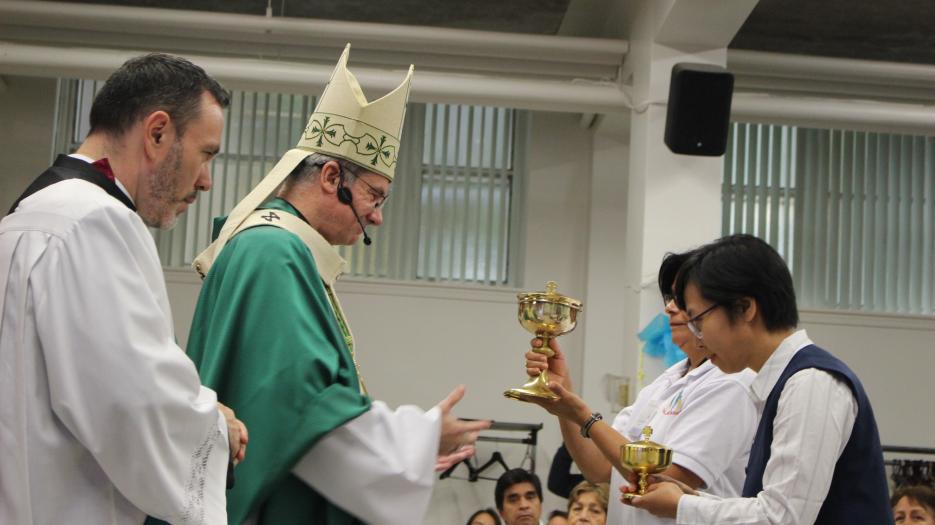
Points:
(266, 339)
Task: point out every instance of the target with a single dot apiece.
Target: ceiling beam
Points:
(701, 24)
(864, 115)
(308, 40)
(791, 75)
(304, 78)
(50, 39)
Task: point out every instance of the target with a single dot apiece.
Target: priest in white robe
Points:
(103, 418)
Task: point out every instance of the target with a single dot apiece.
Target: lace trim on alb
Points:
(194, 510)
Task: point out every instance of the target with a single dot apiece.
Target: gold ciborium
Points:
(546, 314)
(645, 457)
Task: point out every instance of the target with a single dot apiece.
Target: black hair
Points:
(558, 513)
(669, 270)
(735, 267)
(513, 477)
(490, 512)
(149, 83)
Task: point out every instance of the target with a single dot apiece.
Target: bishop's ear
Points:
(330, 176)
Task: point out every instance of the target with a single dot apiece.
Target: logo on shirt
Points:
(674, 407)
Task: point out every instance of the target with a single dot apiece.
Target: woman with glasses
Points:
(704, 415)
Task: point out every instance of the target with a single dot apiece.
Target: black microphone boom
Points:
(367, 240)
(345, 197)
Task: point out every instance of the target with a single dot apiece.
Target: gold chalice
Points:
(645, 457)
(547, 314)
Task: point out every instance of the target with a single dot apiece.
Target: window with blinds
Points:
(467, 180)
(453, 203)
(453, 200)
(851, 212)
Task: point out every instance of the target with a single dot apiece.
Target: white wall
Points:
(27, 113)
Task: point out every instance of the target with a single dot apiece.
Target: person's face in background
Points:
(521, 505)
(557, 520)
(911, 512)
(483, 519)
(587, 510)
(681, 335)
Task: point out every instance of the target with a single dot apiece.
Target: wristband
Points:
(586, 428)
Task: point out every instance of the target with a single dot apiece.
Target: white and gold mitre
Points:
(345, 125)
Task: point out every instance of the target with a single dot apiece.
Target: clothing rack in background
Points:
(910, 471)
(475, 469)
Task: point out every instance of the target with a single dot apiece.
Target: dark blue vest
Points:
(858, 492)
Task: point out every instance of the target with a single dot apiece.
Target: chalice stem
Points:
(545, 349)
(643, 476)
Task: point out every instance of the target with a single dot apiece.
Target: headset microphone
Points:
(367, 240)
(345, 196)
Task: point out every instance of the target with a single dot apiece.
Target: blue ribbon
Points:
(657, 336)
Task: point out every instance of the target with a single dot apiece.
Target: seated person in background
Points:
(561, 480)
(519, 497)
(914, 505)
(706, 416)
(557, 517)
(484, 517)
(587, 504)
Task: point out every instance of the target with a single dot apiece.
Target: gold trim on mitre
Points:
(343, 125)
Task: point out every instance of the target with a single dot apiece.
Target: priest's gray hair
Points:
(310, 167)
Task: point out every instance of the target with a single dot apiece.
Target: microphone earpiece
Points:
(346, 197)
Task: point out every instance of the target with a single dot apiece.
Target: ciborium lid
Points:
(646, 455)
(645, 443)
(549, 296)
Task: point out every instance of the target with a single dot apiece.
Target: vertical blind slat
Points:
(727, 181)
(465, 229)
(491, 207)
(852, 212)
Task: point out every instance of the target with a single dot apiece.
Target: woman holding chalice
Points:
(705, 417)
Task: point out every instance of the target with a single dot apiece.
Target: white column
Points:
(673, 201)
(604, 339)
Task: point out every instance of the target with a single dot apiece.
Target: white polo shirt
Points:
(708, 419)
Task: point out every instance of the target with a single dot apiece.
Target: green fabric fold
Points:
(265, 338)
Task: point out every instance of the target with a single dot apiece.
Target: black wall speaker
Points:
(698, 114)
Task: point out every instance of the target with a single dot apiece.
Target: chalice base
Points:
(538, 388)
